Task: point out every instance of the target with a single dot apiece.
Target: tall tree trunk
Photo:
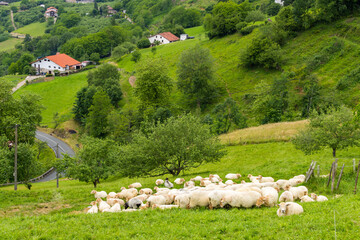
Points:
(334, 152)
(95, 182)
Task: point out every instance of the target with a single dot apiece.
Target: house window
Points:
(59, 67)
(54, 66)
(49, 66)
(162, 40)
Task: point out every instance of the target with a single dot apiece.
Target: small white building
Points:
(281, 2)
(59, 62)
(163, 38)
(51, 12)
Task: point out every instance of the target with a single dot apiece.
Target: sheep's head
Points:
(222, 202)
(93, 203)
(154, 206)
(238, 175)
(192, 179)
(249, 176)
(141, 191)
(313, 196)
(130, 186)
(287, 187)
(123, 188)
(182, 180)
(93, 192)
(261, 201)
(98, 200)
(119, 195)
(243, 182)
(156, 188)
(283, 207)
(277, 188)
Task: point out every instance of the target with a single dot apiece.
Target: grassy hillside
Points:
(57, 95)
(9, 44)
(34, 29)
(31, 214)
(14, 79)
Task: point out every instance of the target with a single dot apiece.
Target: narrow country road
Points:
(12, 19)
(52, 143)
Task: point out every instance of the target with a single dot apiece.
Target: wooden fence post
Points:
(332, 166)
(357, 176)
(318, 170)
(341, 173)
(311, 171)
(334, 175)
(308, 171)
(354, 167)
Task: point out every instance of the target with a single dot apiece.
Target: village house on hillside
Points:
(111, 11)
(51, 12)
(163, 38)
(59, 62)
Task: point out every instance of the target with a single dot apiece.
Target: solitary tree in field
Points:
(178, 144)
(153, 85)
(335, 129)
(196, 75)
(92, 163)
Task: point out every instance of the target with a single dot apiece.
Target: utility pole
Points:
(15, 166)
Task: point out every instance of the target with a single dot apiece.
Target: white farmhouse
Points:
(281, 2)
(163, 38)
(51, 12)
(59, 62)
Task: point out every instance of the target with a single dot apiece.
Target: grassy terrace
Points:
(33, 29)
(9, 44)
(49, 213)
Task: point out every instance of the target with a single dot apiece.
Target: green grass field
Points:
(34, 29)
(49, 213)
(57, 95)
(9, 44)
(14, 79)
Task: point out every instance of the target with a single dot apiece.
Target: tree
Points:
(143, 43)
(135, 56)
(95, 57)
(176, 145)
(196, 75)
(335, 129)
(226, 114)
(255, 16)
(83, 102)
(92, 163)
(97, 121)
(153, 85)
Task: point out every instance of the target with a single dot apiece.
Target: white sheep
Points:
(112, 194)
(133, 203)
(168, 184)
(198, 199)
(147, 191)
(94, 208)
(162, 190)
(232, 176)
(197, 179)
(163, 207)
(215, 197)
(113, 209)
(159, 182)
(97, 194)
(179, 181)
(102, 205)
(289, 208)
(286, 196)
(215, 178)
(298, 192)
(320, 198)
(159, 200)
(306, 198)
(143, 197)
(204, 182)
(294, 181)
(112, 201)
(254, 179)
(300, 177)
(229, 182)
(135, 185)
(240, 199)
(269, 197)
(189, 184)
(127, 194)
(182, 200)
(265, 179)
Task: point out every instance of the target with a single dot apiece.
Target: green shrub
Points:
(349, 80)
(248, 29)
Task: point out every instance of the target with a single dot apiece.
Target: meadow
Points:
(9, 44)
(34, 29)
(46, 212)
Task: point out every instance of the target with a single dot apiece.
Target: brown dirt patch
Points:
(33, 209)
(132, 81)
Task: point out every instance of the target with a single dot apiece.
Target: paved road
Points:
(52, 142)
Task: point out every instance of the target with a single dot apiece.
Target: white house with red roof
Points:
(59, 62)
(51, 12)
(163, 38)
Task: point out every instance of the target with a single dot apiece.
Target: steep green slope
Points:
(34, 29)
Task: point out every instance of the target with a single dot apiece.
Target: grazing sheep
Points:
(269, 197)
(182, 200)
(163, 207)
(113, 209)
(320, 198)
(102, 205)
(112, 201)
(198, 199)
(265, 179)
(97, 194)
(133, 203)
(300, 177)
(159, 200)
(293, 182)
(215, 198)
(286, 196)
(204, 182)
(143, 197)
(93, 209)
(232, 176)
(240, 199)
(229, 182)
(306, 198)
(127, 194)
(289, 208)
(161, 190)
(179, 181)
(254, 179)
(147, 191)
(189, 184)
(298, 192)
(282, 183)
(135, 185)
(159, 182)
(214, 178)
(197, 179)
(168, 184)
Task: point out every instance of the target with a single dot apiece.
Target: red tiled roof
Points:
(169, 36)
(61, 59)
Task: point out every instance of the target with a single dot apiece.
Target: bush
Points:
(349, 79)
(135, 56)
(247, 30)
(143, 43)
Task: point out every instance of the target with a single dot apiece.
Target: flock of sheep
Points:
(209, 192)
